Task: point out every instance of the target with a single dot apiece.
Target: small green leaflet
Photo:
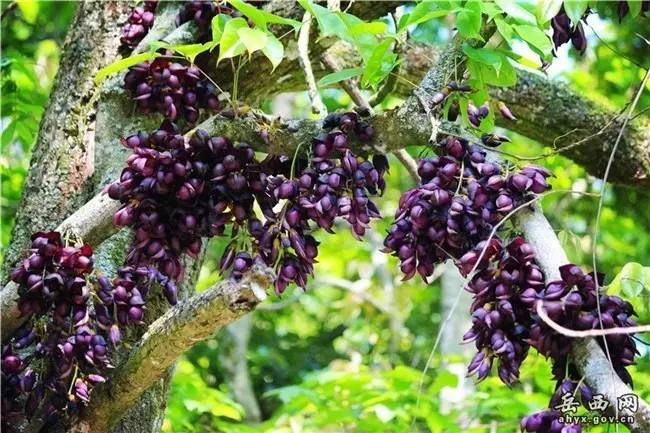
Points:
(274, 50)
(335, 77)
(329, 23)
(575, 9)
(191, 51)
(375, 27)
(231, 44)
(123, 64)
(261, 17)
(635, 8)
(632, 281)
(253, 39)
(547, 9)
(505, 29)
(536, 38)
(516, 11)
(379, 64)
(425, 11)
(218, 24)
(468, 20)
(486, 56)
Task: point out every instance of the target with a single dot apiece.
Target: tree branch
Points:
(586, 353)
(180, 328)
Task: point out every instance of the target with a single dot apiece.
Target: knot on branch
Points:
(245, 294)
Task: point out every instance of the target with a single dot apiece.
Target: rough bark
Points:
(168, 337)
(60, 175)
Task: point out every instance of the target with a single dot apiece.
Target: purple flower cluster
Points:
(171, 88)
(334, 184)
(564, 32)
(548, 421)
(139, 22)
(460, 198)
(572, 302)
(55, 363)
(500, 320)
(174, 193)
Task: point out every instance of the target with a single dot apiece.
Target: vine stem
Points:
(317, 105)
(601, 202)
(573, 333)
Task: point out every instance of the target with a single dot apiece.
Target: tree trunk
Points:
(63, 161)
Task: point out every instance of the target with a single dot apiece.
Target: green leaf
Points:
(632, 281)
(522, 60)
(575, 9)
(253, 39)
(488, 75)
(190, 51)
(218, 24)
(274, 50)
(486, 56)
(514, 10)
(231, 44)
(635, 8)
(29, 9)
(491, 10)
(329, 23)
(374, 28)
(261, 17)
(505, 29)
(425, 11)
(335, 77)
(379, 64)
(468, 20)
(123, 64)
(547, 9)
(534, 37)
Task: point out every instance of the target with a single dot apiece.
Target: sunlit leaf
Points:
(217, 25)
(425, 11)
(261, 17)
(253, 39)
(123, 64)
(516, 11)
(190, 51)
(575, 9)
(547, 9)
(29, 9)
(231, 43)
(505, 29)
(534, 37)
(343, 74)
(273, 50)
(468, 20)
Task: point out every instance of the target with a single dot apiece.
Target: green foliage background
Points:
(329, 360)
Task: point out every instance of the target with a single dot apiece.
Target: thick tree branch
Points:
(167, 338)
(586, 353)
